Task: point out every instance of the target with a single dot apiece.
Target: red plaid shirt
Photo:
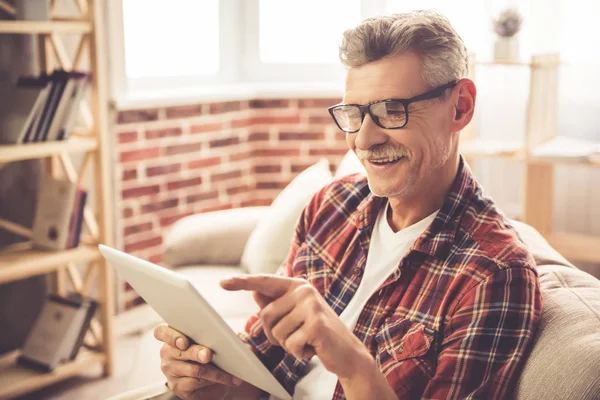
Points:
(456, 318)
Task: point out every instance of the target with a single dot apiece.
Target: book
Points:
(58, 79)
(70, 116)
(44, 107)
(57, 334)
(17, 121)
(65, 101)
(54, 207)
(76, 221)
(33, 10)
(91, 306)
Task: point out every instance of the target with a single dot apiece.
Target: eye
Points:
(348, 117)
(389, 114)
(394, 111)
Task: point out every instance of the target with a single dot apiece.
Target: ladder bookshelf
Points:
(23, 260)
(540, 152)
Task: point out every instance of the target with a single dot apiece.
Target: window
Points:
(304, 32)
(187, 44)
(577, 19)
(170, 41)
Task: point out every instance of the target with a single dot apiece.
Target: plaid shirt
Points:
(456, 318)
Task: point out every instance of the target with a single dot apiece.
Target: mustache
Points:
(383, 152)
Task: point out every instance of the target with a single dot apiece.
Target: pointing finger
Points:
(269, 285)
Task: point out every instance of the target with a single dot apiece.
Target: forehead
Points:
(391, 77)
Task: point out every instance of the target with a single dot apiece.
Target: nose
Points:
(369, 134)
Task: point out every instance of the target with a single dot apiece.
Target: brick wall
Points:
(178, 161)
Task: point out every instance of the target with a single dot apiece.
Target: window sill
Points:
(229, 92)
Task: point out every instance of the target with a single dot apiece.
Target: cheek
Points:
(413, 139)
(430, 139)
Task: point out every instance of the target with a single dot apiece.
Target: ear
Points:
(464, 97)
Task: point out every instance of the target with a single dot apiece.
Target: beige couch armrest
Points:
(542, 251)
(216, 237)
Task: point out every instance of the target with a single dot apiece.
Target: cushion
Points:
(216, 237)
(349, 165)
(269, 243)
(539, 247)
(564, 362)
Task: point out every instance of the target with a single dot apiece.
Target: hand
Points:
(296, 317)
(186, 367)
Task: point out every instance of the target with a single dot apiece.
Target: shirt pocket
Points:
(401, 340)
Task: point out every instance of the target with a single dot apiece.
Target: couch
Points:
(564, 362)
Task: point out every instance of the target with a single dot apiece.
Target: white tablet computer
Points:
(178, 302)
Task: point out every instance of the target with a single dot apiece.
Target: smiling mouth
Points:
(385, 161)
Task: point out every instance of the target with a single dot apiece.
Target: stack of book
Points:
(43, 108)
(58, 332)
(59, 215)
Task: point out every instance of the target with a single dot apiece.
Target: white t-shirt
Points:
(386, 250)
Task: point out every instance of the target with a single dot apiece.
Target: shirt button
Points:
(357, 270)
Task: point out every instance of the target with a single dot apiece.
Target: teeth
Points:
(385, 160)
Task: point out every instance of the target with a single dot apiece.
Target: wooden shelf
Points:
(595, 159)
(516, 63)
(491, 148)
(16, 380)
(23, 264)
(28, 151)
(566, 150)
(575, 246)
(28, 27)
(504, 62)
(560, 150)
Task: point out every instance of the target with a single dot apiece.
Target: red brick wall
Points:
(177, 161)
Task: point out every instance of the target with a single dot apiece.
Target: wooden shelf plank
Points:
(28, 151)
(45, 27)
(491, 148)
(16, 380)
(576, 247)
(23, 264)
(503, 62)
(521, 63)
(563, 149)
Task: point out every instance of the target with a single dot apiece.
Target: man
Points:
(408, 283)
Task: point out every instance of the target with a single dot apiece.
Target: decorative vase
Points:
(506, 48)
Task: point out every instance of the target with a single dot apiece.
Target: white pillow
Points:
(349, 165)
(269, 243)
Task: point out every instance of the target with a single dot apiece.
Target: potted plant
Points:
(506, 26)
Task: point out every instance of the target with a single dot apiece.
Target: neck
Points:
(425, 200)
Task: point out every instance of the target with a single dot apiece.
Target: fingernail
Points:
(237, 381)
(203, 355)
(180, 344)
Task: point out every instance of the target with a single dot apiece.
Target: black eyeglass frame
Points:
(366, 108)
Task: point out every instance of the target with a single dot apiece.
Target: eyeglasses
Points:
(387, 114)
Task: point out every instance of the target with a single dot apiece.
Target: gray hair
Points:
(444, 56)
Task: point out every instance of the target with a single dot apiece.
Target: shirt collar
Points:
(438, 239)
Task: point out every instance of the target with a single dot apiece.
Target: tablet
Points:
(178, 302)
